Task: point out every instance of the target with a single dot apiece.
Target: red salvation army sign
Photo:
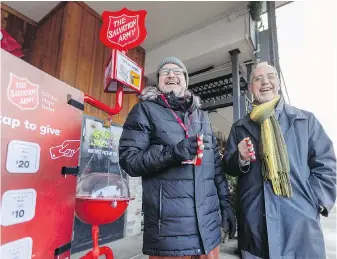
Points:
(124, 29)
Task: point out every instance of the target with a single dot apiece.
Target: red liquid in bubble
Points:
(100, 211)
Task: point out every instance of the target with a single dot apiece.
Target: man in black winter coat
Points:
(181, 202)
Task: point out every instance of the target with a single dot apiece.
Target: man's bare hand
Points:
(245, 150)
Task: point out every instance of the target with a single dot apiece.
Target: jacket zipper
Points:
(160, 205)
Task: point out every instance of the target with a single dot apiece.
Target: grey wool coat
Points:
(277, 227)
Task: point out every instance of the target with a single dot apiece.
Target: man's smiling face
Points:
(265, 84)
(172, 78)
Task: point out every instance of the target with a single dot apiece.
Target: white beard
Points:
(178, 90)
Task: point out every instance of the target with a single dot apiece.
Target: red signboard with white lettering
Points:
(40, 134)
(124, 29)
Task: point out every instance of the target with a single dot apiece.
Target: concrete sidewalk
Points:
(131, 247)
(330, 234)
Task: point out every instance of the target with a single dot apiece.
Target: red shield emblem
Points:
(124, 29)
(23, 93)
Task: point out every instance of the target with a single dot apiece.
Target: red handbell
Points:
(251, 150)
(200, 142)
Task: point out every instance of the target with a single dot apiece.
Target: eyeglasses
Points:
(166, 71)
(270, 76)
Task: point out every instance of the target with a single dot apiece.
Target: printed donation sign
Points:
(121, 69)
(124, 29)
(121, 31)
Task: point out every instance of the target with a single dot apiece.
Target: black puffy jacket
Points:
(180, 202)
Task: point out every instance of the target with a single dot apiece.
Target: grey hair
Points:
(252, 75)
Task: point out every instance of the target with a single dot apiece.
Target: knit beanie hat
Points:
(176, 61)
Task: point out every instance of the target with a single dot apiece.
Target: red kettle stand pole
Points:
(105, 108)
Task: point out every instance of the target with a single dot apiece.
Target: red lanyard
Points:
(175, 115)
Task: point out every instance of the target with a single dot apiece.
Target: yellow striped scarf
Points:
(273, 150)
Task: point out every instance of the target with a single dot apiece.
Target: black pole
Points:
(272, 32)
(235, 83)
(243, 106)
(249, 67)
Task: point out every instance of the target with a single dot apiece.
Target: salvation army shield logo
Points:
(22, 93)
(124, 29)
(127, 31)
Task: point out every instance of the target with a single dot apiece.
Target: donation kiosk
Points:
(41, 122)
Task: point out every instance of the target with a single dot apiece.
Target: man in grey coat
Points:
(292, 182)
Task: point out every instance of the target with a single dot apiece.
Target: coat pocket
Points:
(313, 195)
(160, 205)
